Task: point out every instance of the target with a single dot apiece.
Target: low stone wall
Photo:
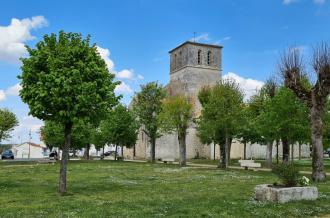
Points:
(285, 194)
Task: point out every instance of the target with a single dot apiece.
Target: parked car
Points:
(109, 153)
(7, 154)
(53, 155)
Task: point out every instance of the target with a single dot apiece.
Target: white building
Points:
(30, 150)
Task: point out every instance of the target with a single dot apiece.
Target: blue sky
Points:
(135, 36)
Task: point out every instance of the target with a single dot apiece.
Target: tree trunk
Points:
(229, 149)
(227, 152)
(65, 157)
(222, 161)
(182, 148)
(87, 151)
(153, 150)
(244, 155)
(116, 152)
(269, 155)
(277, 156)
(122, 152)
(286, 150)
(292, 152)
(318, 173)
(299, 155)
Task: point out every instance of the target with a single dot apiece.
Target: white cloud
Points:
(126, 74)
(105, 54)
(123, 88)
(249, 86)
(287, 2)
(226, 38)
(140, 77)
(319, 2)
(201, 37)
(14, 36)
(14, 90)
(2, 95)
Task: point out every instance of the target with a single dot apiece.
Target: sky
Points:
(134, 37)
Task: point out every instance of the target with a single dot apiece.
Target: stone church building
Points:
(192, 66)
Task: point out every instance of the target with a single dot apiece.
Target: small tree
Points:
(315, 96)
(65, 79)
(175, 116)
(221, 115)
(8, 121)
(277, 120)
(120, 128)
(147, 106)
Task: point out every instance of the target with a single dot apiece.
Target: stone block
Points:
(285, 194)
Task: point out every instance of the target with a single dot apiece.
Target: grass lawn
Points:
(123, 189)
(303, 164)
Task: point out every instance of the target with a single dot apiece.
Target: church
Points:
(194, 65)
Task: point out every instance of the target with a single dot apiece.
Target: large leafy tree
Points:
(147, 105)
(8, 121)
(221, 116)
(65, 79)
(120, 128)
(315, 96)
(175, 116)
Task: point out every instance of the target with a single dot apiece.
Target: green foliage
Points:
(222, 112)
(119, 128)
(287, 173)
(53, 134)
(64, 78)
(284, 116)
(175, 115)
(147, 105)
(8, 121)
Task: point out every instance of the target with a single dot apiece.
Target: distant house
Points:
(30, 150)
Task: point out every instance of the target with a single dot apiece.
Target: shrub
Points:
(287, 173)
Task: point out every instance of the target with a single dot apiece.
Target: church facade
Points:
(192, 66)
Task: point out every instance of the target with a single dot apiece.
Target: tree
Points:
(65, 79)
(221, 116)
(175, 116)
(147, 105)
(315, 96)
(8, 121)
(276, 121)
(120, 128)
(52, 133)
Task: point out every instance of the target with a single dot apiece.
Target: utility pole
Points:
(30, 142)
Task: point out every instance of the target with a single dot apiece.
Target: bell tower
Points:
(192, 66)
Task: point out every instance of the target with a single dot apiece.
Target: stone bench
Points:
(249, 164)
(168, 160)
(45, 161)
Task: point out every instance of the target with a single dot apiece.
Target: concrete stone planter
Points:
(284, 194)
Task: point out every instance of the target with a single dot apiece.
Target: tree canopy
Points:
(147, 105)
(8, 121)
(64, 79)
(175, 116)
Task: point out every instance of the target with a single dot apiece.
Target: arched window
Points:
(175, 61)
(209, 54)
(199, 54)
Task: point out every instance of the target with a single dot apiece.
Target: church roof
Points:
(196, 43)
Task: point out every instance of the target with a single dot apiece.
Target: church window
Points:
(199, 56)
(209, 57)
(175, 61)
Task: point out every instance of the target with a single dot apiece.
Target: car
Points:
(7, 154)
(109, 153)
(53, 155)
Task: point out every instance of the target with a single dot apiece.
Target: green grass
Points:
(303, 164)
(123, 189)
